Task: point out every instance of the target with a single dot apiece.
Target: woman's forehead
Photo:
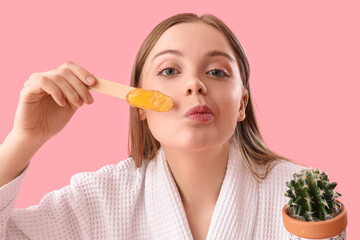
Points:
(188, 38)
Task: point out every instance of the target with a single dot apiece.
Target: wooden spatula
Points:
(136, 97)
(111, 88)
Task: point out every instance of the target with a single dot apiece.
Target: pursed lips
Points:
(199, 109)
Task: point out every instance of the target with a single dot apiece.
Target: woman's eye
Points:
(219, 73)
(171, 71)
(167, 71)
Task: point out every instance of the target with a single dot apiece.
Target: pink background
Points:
(304, 60)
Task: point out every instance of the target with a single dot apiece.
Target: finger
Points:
(80, 72)
(78, 85)
(70, 94)
(31, 79)
(46, 85)
(26, 83)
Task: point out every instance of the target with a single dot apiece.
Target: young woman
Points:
(199, 171)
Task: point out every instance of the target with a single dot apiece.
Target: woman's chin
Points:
(198, 145)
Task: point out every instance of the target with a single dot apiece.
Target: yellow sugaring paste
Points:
(149, 100)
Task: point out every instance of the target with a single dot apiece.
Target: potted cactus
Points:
(313, 211)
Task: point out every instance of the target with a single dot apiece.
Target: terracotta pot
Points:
(329, 229)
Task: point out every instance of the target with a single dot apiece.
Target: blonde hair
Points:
(246, 138)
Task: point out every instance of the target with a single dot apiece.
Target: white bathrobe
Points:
(124, 202)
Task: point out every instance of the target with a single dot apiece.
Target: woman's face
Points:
(190, 78)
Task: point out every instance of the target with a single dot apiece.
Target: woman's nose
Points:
(195, 85)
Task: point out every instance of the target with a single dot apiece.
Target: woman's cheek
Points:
(230, 112)
(157, 123)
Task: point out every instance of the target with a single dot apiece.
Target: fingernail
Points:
(90, 99)
(90, 79)
(63, 101)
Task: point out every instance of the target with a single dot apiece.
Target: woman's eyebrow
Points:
(172, 51)
(219, 53)
(208, 54)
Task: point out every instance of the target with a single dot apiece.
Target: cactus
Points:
(312, 197)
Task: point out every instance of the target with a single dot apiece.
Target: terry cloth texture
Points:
(120, 201)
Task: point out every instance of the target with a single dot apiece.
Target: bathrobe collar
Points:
(233, 216)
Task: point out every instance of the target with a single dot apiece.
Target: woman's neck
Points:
(198, 174)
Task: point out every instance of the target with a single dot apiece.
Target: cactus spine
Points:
(311, 195)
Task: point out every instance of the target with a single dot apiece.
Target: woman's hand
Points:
(49, 100)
